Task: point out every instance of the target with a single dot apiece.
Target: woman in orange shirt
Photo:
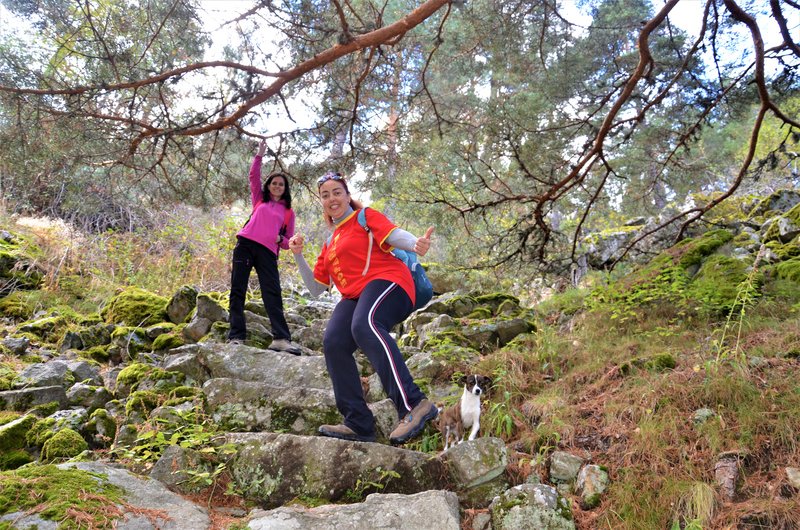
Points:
(375, 297)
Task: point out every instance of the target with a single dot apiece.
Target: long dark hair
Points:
(287, 193)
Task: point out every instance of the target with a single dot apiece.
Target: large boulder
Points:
(427, 509)
(273, 469)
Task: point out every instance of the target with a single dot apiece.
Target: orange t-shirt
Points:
(344, 258)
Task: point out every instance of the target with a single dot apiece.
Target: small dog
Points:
(466, 414)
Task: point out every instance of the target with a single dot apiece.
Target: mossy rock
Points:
(17, 306)
(96, 353)
(132, 374)
(101, 428)
(7, 376)
(7, 416)
(717, 285)
(48, 329)
(789, 270)
(132, 340)
(14, 458)
(136, 307)
(658, 363)
(142, 402)
(168, 341)
(13, 433)
(40, 432)
(71, 498)
(665, 279)
(64, 444)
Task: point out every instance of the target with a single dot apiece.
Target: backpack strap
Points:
(362, 220)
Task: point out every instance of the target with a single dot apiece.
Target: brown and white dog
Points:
(466, 414)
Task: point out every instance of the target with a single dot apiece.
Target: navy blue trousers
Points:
(365, 323)
(248, 254)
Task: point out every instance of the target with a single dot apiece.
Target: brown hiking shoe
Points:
(414, 422)
(343, 432)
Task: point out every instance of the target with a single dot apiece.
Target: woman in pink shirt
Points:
(268, 229)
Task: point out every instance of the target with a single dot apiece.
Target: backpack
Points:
(422, 285)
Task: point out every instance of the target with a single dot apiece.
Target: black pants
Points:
(365, 323)
(246, 255)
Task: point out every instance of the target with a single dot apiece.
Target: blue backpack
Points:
(422, 285)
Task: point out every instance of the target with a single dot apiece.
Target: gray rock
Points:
(23, 521)
(140, 495)
(531, 507)
(507, 330)
(85, 372)
(564, 467)
(18, 346)
(89, 396)
(70, 341)
(429, 510)
(197, 328)
(592, 483)
(30, 397)
(258, 406)
(210, 309)
(53, 373)
(272, 469)
(793, 474)
(181, 304)
(253, 364)
(172, 469)
(701, 416)
(475, 462)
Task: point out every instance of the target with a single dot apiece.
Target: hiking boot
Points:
(284, 345)
(343, 432)
(414, 422)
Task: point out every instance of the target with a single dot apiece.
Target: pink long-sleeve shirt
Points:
(267, 217)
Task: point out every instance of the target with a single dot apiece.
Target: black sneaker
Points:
(414, 422)
(343, 432)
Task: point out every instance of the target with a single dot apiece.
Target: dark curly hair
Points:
(287, 193)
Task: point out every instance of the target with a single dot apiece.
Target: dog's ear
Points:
(486, 382)
(462, 380)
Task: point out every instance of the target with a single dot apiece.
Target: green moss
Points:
(44, 329)
(167, 341)
(694, 250)
(665, 280)
(12, 434)
(785, 251)
(73, 498)
(16, 305)
(132, 374)
(789, 270)
(182, 394)
(136, 307)
(717, 284)
(40, 432)
(14, 458)
(45, 409)
(66, 443)
(96, 353)
(7, 416)
(7, 376)
(481, 313)
(143, 401)
(661, 362)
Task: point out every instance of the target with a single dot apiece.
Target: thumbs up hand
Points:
(424, 243)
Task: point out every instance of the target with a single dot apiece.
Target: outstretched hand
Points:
(296, 243)
(262, 148)
(423, 243)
